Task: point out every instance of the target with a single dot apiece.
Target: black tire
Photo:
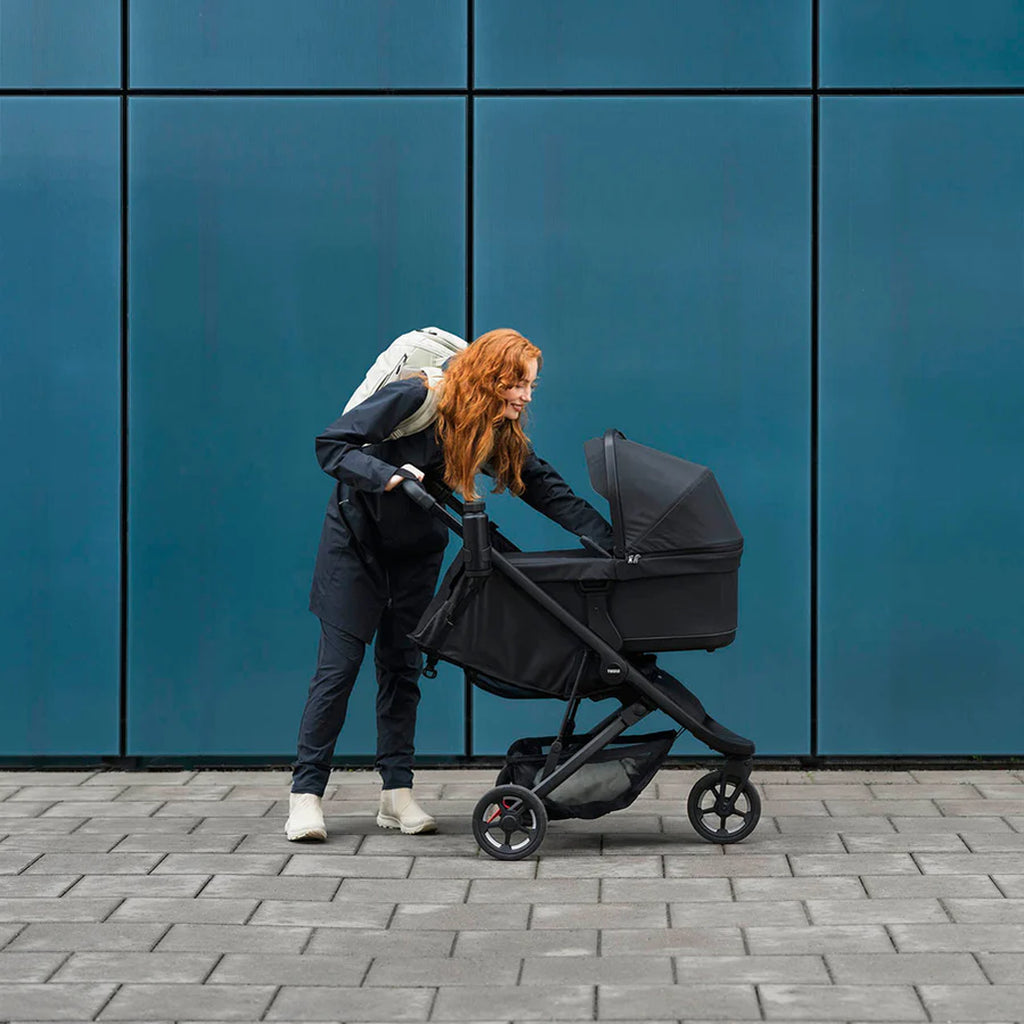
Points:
(714, 794)
(509, 823)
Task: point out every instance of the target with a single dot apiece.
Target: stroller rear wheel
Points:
(509, 822)
(723, 810)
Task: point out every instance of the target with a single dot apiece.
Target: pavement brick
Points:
(52, 1002)
(916, 886)
(711, 1002)
(87, 809)
(775, 791)
(600, 867)
(394, 845)
(337, 914)
(1000, 968)
(28, 967)
(74, 937)
(232, 938)
(52, 794)
(982, 808)
(98, 863)
(26, 825)
(974, 911)
(498, 944)
(302, 1003)
(444, 971)
(624, 941)
(406, 890)
(740, 913)
(41, 908)
(760, 844)
(600, 915)
(272, 887)
(153, 886)
(12, 810)
(997, 1002)
(933, 825)
(14, 863)
(877, 911)
(153, 777)
(805, 888)
(126, 826)
(8, 932)
(241, 810)
(221, 863)
(887, 808)
(458, 916)
(289, 969)
(664, 890)
(1011, 885)
(479, 1002)
(48, 778)
(755, 970)
(969, 863)
(957, 938)
(162, 843)
(122, 967)
(530, 890)
(272, 841)
(345, 942)
(841, 1002)
(15, 886)
(905, 968)
(778, 941)
(45, 842)
(992, 842)
(828, 864)
(765, 866)
(902, 842)
(342, 866)
(181, 792)
(170, 910)
(135, 1002)
(471, 867)
(810, 825)
(605, 970)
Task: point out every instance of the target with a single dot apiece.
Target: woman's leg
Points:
(338, 659)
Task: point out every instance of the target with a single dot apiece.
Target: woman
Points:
(380, 553)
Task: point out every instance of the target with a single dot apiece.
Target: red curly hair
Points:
(471, 424)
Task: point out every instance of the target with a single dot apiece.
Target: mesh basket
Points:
(612, 779)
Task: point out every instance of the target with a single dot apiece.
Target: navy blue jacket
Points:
(366, 529)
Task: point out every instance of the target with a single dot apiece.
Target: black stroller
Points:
(586, 624)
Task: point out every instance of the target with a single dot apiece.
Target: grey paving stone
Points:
(14, 863)
(922, 791)
(443, 971)
(795, 825)
(820, 791)
(272, 843)
(134, 809)
(125, 826)
(601, 867)
(155, 968)
(46, 842)
(258, 777)
(47, 778)
(220, 863)
(242, 810)
(36, 885)
(189, 1002)
(1008, 790)
(802, 808)
(348, 943)
(74, 937)
(271, 887)
(290, 969)
(458, 916)
(982, 808)
(645, 844)
(39, 826)
(342, 866)
(1000, 968)
(627, 942)
(996, 1002)
(965, 776)
(295, 1003)
(876, 911)
(472, 867)
(905, 968)
(605, 970)
(339, 914)
(581, 942)
(170, 910)
(169, 886)
(94, 863)
(52, 794)
(404, 890)
(767, 865)
(806, 888)
(848, 775)
(829, 864)
(26, 967)
(529, 890)
(600, 915)
(762, 843)
(712, 1002)
(178, 793)
(152, 777)
(956, 938)
(1011, 885)
(992, 842)
(551, 1003)
(916, 886)
(754, 970)
(664, 890)
(975, 911)
(12, 810)
(41, 908)
(273, 826)
(969, 863)
(52, 1002)
(8, 932)
(902, 842)
(740, 913)
(232, 938)
(163, 843)
(841, 1002)
(933, 825)
(904, 808)
(779, 941)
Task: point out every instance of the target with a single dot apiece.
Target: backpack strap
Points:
(427, 412)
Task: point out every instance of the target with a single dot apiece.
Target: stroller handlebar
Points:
(418, 493)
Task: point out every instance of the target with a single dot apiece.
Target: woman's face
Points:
(521, 394)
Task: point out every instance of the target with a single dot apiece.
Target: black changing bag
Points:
(612, 779)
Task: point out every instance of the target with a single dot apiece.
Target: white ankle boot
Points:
(398, 809)
(305, 817)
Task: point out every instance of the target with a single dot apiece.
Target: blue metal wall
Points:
(782, 239)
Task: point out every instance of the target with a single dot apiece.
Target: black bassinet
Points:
(669, 585)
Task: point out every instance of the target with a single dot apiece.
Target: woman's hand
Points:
(396, 479)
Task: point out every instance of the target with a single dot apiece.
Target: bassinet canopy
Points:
(659, 503)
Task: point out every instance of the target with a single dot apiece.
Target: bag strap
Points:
(427, 412)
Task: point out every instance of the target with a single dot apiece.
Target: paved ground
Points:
(862, 896)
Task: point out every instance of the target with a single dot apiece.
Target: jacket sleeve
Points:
(547, 492)
(339, 449)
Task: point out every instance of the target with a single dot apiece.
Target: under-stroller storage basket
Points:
(612, 779)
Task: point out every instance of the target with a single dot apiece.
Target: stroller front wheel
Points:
(509, 822)
(721, 810)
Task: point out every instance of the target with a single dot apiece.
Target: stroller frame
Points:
(519, 810)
